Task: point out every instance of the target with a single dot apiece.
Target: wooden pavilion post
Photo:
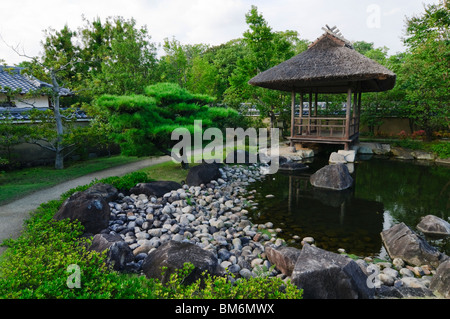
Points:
(300, 132)
(292, 116)
(347, 117)
(310, 113)
(315, 104)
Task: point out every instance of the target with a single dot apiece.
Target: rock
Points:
(403, 292)
(398, 263)
(349, 156)
(364, 149)
(380, 149)
(326, 275)
(413, 282)
(434, 226)
(336, 158)
(401, 242)
(119, 253)
(441, 280)
(108, 192)
(91, 210)
(422, 155)
(386, 279)
(401, 153)
(305, 152)
(157, 188)
(203, 174)
(174, 254)
(283, 258)
(292, 166)
(405, 272)
(335, 177)
(246, 273)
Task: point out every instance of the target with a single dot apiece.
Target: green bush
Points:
(442, 149)
(123, 183)
(221, 287)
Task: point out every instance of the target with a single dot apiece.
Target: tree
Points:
(10, 135)
(114, 56)
(224, 58)
(424, 76)
(176, 64)
(143, 124)
(129, 62)
(264, 49)
(377, 105)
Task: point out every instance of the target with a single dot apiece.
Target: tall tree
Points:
(264, 49)
(178, 60)
(425, 76)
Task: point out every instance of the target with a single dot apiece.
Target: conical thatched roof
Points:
(330, 65)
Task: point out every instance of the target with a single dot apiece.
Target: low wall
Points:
(390, 126)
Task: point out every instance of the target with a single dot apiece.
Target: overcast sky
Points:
(208, 21)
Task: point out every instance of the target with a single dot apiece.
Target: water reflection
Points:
(385, 192)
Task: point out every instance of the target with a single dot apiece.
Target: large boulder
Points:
(91, 210)
(284, 257)
(108, 192)
(434, 226)
(441, 280)
(173, 255)
(157, 188)
(335, 176)
(327, 275)
(402, 242)
(203, 174)
(118, 252)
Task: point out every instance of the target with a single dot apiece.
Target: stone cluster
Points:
(212, 216)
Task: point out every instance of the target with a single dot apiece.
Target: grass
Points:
(19, 183)
(168, 171)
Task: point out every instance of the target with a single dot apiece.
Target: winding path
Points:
(12, 215)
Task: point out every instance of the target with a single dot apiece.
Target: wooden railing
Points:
(332, 127)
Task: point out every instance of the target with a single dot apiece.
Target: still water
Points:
(385, 192)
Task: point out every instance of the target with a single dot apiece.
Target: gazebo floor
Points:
(338, 139)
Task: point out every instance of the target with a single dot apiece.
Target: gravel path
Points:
(12, 215)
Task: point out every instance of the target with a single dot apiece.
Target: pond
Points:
(385, 192)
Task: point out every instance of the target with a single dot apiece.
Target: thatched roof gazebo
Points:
(331, 66)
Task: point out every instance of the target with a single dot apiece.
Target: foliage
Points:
(264, 49)
(10, 135)
(424, 76)
(35, 265)
(121, 183)
(144, 123)
(442, 149)
(221, 287)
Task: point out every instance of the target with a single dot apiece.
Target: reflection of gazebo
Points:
(330, 66)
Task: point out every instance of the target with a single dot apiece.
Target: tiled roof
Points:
(21, 114)
(12, 78)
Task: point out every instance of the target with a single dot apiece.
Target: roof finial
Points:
(335, 32)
